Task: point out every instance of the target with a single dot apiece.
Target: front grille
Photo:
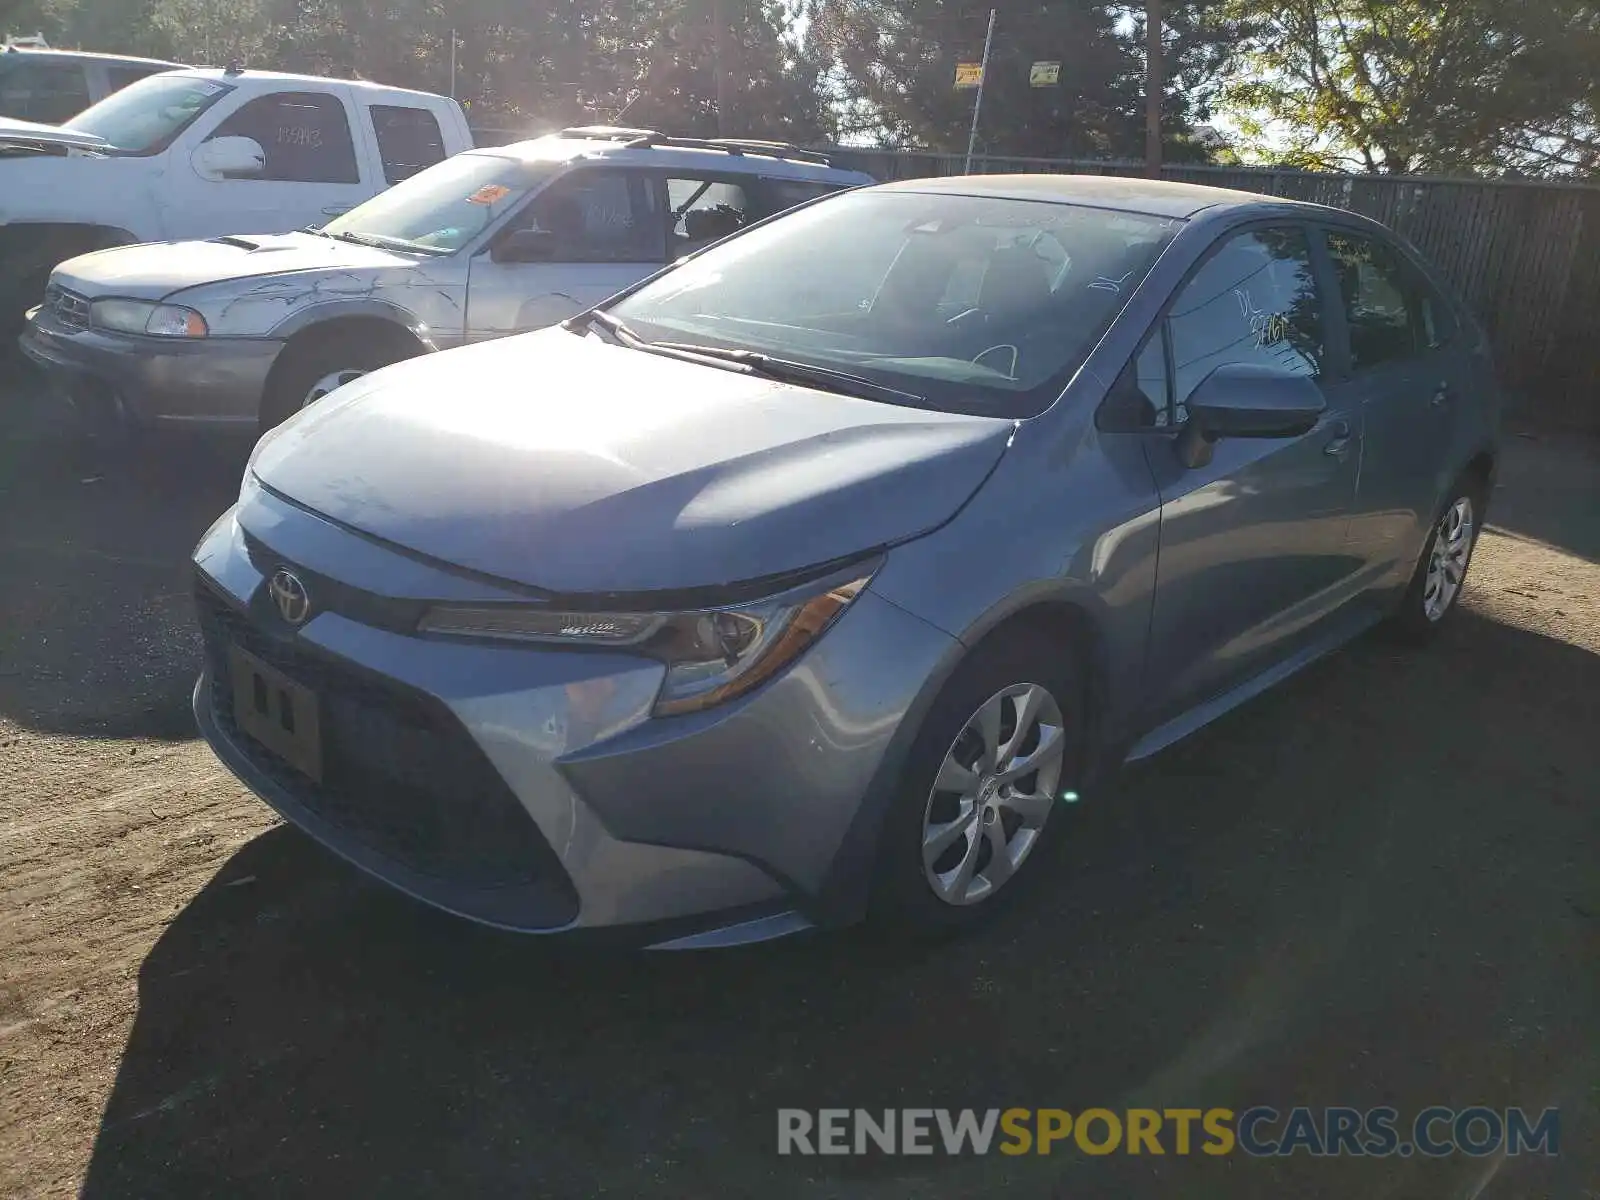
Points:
(400, 774)
(67, 307)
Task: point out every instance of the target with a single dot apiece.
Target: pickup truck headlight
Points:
(145, 317)
(712, 655)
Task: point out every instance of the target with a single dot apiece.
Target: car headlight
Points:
(712, 655)
(146, 317)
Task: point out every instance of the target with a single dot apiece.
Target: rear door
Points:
(1252, 543)
(1400, 373)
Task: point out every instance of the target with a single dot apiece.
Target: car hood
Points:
(156, 270)
(27, 133)
(571, 465)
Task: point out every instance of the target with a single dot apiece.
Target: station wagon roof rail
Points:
(642, 139)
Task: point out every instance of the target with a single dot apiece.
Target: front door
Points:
(312, 172)
(1252, 553)
(606, 232)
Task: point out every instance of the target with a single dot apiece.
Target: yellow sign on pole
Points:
(1044, 74)
(969, 75)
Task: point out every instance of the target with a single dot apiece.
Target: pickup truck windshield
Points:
(443, 208)
(145, 117)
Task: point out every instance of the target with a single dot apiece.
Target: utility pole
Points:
(977, 103)
(452, 63)
(722, 50)
(1153, 75)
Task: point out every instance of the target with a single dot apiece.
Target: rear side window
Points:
(306, 136)
(705, 211)
(47, 91)
(781, 194)
(1254, 301)
(1389, 311)
(409, 140)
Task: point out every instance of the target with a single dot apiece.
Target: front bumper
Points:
(530, 788)
(118, 378)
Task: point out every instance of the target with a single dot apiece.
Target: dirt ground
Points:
(1375, 885)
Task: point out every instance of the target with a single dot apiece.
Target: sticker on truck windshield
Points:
(491, 193)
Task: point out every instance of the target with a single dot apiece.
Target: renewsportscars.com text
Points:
(1260, 1131)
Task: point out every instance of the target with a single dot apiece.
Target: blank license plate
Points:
(277, 712)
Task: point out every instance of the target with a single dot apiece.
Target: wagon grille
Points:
(67, 307)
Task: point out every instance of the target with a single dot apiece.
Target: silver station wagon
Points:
(246, 330)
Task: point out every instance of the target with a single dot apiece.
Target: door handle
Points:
(1339, 444)
(334, 210)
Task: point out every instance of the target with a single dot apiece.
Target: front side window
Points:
(409, 140)
(45, 90)
(146, 117)
(974, 304)
(598, 216)
(443, 208)
(306, 137)
(1253, 301)
(1389, 314)
(705, 211)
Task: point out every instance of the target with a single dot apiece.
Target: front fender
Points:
(383, 310)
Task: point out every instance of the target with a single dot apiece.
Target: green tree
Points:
(892, 67)
(1420, 86)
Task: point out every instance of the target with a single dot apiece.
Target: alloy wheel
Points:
(330, 382)
(993, 794)
(1447, 561)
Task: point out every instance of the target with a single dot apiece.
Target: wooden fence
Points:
(1524, 254)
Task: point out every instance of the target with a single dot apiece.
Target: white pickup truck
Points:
(203, 153)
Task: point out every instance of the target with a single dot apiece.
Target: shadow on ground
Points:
(1372, 886)
(1546, 492)
(97, 635)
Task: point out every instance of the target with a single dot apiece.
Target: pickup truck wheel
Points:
(313, 368)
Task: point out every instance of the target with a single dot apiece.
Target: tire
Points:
(1434, 592)
(320, 358)
(906, 898)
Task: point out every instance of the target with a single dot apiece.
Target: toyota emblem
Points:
(289, 594)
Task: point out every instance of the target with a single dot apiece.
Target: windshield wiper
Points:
(787, 370)
(377, 242)
(615, 326)
(783, 369)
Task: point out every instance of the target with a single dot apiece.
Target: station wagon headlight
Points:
(146, 317)
(712, 655)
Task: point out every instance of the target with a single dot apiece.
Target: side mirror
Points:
(230, 158)
(1247, 400)
(525, 246)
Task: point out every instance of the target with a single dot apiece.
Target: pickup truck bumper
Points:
(121, 380)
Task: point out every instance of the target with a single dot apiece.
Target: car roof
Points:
(773, 160)
(1152, 197)
(92, 56)
(249, 75)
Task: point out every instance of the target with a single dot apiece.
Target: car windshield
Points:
(446, 206)
(973, 304)
(145, 117)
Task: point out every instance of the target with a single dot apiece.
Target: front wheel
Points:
(999, 751)
(325, 363)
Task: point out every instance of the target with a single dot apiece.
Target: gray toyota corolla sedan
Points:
(824, 573)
